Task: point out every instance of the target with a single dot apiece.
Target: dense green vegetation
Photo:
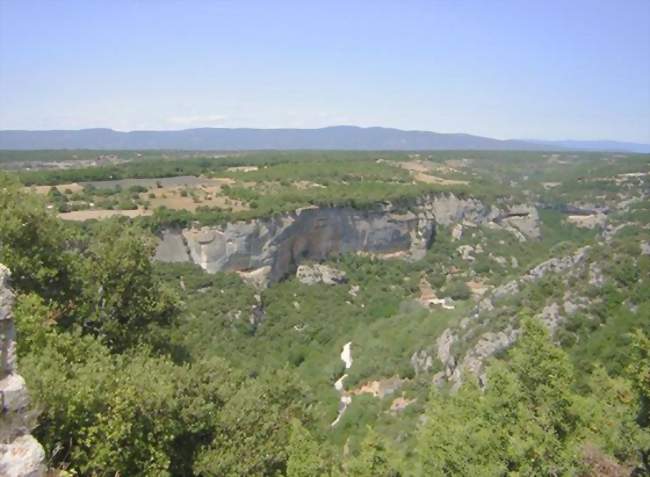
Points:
(142, 368)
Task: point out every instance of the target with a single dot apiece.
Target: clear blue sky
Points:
(544, 69)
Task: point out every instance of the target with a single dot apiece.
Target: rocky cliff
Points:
(486, 344)
(20, 454)
(266, 250)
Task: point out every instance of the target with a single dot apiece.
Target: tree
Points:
(34, 244)
(304, 453)
(35, 322)
(456, 438)
(639, 372)
(104, 413)
(126, 302)
(252, 436)
(372, 460)
(525, 420)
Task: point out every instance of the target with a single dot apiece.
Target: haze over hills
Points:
(596, 145)
(334, 137)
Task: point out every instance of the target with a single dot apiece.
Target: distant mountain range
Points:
(335, 137)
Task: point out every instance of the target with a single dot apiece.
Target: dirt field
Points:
(98, 214)
(421, 171)
(188, 181)
(201, 196)
(243, 168)
(72, 186)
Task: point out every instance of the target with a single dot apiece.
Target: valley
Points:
(378, 280)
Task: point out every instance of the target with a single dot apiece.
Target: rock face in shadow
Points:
(277, 245)
(20, 454)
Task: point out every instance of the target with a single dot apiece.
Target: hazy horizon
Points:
(540, 70)
(530, 139)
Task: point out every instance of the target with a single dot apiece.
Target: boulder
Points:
(421, 361)
(23, 457)
(645, 248)
(456, 232)
(488, 345)
(444, 344)
(313, 274)
(466, 252)
(550, 316)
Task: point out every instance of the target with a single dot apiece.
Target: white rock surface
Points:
(456, 232)
(20, 454)
(645, 248)
(345, 399)
(23, 457)
(591, 221)
(313, 274)
(346, 354)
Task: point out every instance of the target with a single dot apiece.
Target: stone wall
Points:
(20, 454)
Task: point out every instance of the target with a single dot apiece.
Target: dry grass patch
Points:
(99, 214)
(72, 187)
(190, 198)
(421, 171)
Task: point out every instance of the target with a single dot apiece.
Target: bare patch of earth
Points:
(72, 187)
(99, 214)
(421, 171)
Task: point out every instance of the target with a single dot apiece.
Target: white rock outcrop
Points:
(313, 274)
(20, 454)
(279, 244)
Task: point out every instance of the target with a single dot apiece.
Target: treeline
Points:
(160, 164)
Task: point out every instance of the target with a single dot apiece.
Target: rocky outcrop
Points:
(645, 248)
(20, 454)
(487, 344)
(313, 274)
(553, 265)
(521, 220)
(421, 361)
(588, 221)
(551, 316)
(277, 245)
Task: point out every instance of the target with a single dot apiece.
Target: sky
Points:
(544, 69)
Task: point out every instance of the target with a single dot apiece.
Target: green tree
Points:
(372, 460)
(104, 413)
(304, 454)
(35, 323)
(252, 436)
(456, 438)
(126, 302)
(522, 422)
(639, 372)
(34, 244)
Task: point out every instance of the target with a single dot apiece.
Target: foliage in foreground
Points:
(529, 420)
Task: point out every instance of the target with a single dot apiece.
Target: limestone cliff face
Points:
(20, 454)
(269, 249)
